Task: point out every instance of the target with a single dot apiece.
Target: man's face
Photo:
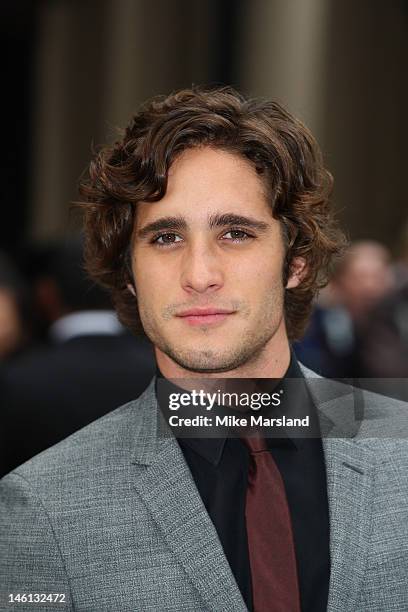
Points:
(208, 262)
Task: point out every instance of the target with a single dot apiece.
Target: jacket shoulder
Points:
(106, 441)
(377, 421)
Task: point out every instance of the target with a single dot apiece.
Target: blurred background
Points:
(75, 70)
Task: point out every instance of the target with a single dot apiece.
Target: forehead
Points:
(205, 181)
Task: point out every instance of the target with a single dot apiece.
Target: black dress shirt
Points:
(220, 470)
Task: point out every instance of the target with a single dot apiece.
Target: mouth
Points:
(204, 316)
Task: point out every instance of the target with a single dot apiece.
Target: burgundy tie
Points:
(270, 539)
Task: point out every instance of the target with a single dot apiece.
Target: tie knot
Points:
(255, 444)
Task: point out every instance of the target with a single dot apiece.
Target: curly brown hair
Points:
(280, 147)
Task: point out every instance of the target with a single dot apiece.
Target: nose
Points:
(201, 268)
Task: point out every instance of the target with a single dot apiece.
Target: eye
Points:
(166, 239)
(236, 235)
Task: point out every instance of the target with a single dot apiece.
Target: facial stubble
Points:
(248, 350)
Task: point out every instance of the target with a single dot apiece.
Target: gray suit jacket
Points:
(111, 516)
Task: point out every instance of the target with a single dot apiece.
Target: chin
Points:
(205, 368)
(211, 360)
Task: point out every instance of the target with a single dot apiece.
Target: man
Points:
(210, 224)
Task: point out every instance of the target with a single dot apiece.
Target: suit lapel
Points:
(168, 490)
(350, 471)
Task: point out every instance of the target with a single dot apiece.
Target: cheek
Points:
(265, 291)
(155, 286)
(259, 275)
(147, 272)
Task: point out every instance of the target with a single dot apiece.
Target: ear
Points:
(131, 289)
(297, 272)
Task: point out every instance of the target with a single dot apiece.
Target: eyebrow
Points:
(215, 220)
(218, 220)
(164, 223)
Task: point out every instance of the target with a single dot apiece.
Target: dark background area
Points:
(73, 71)
(18, 28)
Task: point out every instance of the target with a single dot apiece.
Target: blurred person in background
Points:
(361, 279)
(383, 338)
(14, 325)
(383, 344)
(89, 365)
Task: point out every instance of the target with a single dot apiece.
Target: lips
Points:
(204, 316)
(198, 312)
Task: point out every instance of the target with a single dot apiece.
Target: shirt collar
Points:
(297, 398)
